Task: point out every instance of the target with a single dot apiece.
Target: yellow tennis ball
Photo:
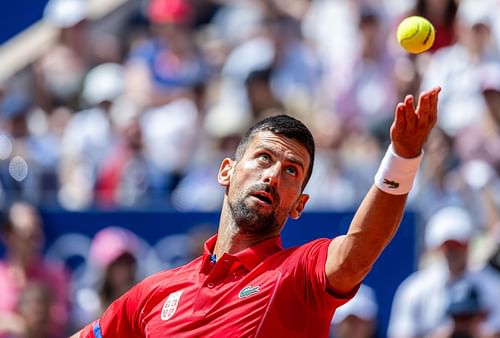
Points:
(416, 34)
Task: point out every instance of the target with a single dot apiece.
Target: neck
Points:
(232, 239)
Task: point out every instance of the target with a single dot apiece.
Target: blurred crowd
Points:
(139, 115)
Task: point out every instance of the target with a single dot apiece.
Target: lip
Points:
(263, 196)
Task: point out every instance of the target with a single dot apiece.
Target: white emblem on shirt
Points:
(170, 305)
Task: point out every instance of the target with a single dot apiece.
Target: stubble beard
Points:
(250, 220)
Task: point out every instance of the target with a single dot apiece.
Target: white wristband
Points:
(396, 174)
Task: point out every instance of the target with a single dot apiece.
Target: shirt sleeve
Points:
(121, 318)
(308, 269)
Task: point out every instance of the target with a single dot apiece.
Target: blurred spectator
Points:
(419, 305)
(31, 158)
(480, 140)
(113, 261)
(457, 68)
(261, 98)
(436, 185)
(169, 64)
(23, 264)
(197, 190)
(59, 73)
(358, 317)
(126, 177)
(325, 17)
(467, 313)
(171, 133)
(343, 169)
(88, 136)
(368, 73)
(296, 71)
(34, 308)
(33, 316)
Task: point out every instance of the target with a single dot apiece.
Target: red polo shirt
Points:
(262, 291)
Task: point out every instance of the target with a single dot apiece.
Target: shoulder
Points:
(145, 49)
(305, 258)
(304, 252)
(315, 245)
(487, 280)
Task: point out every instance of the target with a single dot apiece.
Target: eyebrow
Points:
(290, 159)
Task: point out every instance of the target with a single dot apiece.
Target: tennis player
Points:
(246, 284)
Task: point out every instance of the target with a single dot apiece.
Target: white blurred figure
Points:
(171, 133)
(89, 135)
(466, 311)
(369, 72)
(419, 305)
(480, 140)
(197, 190)
(296, 71)
(358, 317)
(457, 68)
(60, 71)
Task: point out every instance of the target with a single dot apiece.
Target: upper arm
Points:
(306, 265)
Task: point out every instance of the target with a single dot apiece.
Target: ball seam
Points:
(413, 35)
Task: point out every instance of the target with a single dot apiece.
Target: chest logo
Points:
(248, 291)
(170, 305)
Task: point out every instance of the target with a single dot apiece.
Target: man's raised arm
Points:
(351, 257)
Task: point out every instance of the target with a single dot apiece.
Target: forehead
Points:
(281, 145)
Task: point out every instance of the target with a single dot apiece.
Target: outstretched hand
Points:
(411, 126)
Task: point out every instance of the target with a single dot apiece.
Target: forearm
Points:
(351, 257)
(373, 227)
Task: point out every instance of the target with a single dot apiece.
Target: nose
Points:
(271, 175)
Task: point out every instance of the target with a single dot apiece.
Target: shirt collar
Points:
(251, 256)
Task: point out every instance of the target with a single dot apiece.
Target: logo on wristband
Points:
(391, 184)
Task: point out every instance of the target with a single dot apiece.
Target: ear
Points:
(299, 206)
(225, 171)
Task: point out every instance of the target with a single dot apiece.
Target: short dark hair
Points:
(281, 125)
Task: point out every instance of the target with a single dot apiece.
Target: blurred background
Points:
(115, 115)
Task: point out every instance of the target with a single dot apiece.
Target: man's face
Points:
(456, 256)
(264, 187)
(25, 240)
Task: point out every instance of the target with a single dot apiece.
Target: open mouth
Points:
(264, 197)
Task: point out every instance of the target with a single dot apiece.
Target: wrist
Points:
(405, 153)
(396, 174)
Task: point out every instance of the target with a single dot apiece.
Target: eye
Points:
(264, 157)
(291, 171)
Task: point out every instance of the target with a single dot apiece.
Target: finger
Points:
(423, 108)
(433, 105)
(410, 116)
(400, 119)
(434, 96)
